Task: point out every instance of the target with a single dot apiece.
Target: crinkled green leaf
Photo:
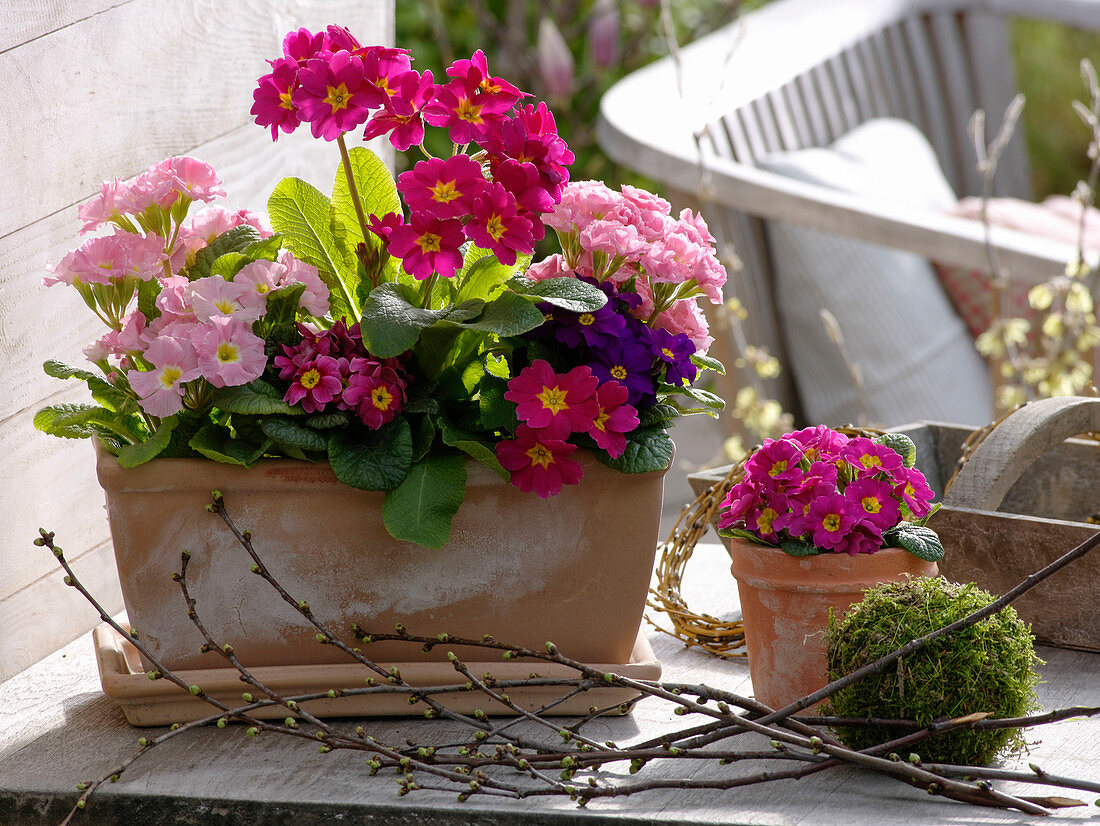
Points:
(392, 322)
(421, 508)
(483, 275)
(300, 213)
(565, 292)
(657, 415)
(237, 239)
(325, 421)
(216, 442)
(374, 459)
(257, 398)
(228, 265)
(496, 412)
(479, 448)
(288, 431)
(282, 304)
(647, 450)
(799, 547)
(506, 315)
(708, 363)
(142, 452)
(267, 248)
(102, 391)
(921, 542)
(79, 421)
(901, 445)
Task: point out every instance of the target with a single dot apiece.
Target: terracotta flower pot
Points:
(573, 569)
(785, 602)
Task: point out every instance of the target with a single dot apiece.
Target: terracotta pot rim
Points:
(281, 470)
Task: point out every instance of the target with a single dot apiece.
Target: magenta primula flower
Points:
(465, 111)
(385, 67)
(776, 461)
(832, 517)
(229, 353)
(876, 499)
(914, 491)
(819, 442)
(402, 115)
(560, 404)
(428, 245)
(334, 95)
(870, 459)
(496, 225)
(476, 70)
(315, 384)
(442, 188)
(302, 44)
(376, 391)
(614, 418)
(273, 98)
(539, 463)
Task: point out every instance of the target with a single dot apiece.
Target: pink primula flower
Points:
(190, 177)
(229, 353)
(832, 518)
(870, 459)
(375, 391)
(442, 188)
(260, 277)
(876, 499)
(428, 245)
(110, 259)
(496, 225)
(614, 419)
(539, 463)
(315, 300)
(273, 102)
(912, 488)
(334, 95)
(316, 384)
(560, 404)
(161, 389)
(214, 297)
(465, 111)
(476, 69)
(402, 116)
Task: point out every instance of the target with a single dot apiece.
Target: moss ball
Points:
(986, 667)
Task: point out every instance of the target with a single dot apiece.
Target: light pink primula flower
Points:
(686, 317)
(260, 277)
(161, 389)
(109, 259)
(315, 300)
(213, 221)
(612, 238)
(214, 297)
(174, 299)
(184, 175)
(229, 353)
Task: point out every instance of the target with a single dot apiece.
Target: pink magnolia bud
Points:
(603, 33)
(555, 61)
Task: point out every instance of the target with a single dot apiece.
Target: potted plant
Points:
(816, 518)
(363, 383)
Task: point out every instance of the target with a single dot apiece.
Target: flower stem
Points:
(351, 185)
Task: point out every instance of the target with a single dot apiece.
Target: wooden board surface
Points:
(56, 728)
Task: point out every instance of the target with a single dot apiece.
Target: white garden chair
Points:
(707, 124)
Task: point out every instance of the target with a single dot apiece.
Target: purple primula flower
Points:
(630, 364)
(592, 328)
(675, 351)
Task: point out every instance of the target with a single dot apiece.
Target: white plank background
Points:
(97, 89)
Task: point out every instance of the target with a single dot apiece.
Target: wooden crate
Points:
(1020, 501)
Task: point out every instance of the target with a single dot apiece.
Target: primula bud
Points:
(555, 61)
(603, 33)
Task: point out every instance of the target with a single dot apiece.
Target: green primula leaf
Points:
(257, 398)
(921, 542)
(282, 305)
(142, 452)
(708, 363)
(326, 421)
(709, 401)
(497, 413)
(565, 292)
(375, 185)
(228, 265)
(657, 415)
(301, 214)
(901, 445)
(82, 421)
(102, 391)
(799, 547)
(216, 442)
(423, 435)
(506, 315)
(647, 450)
(147, 293)
(236, 239)
(392, 322)
(267, 249)
(287, 431)
(741, 533)
(471, 444)
(421, 508)
(373, 459)
(483, 275)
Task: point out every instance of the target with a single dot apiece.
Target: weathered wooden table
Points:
(56, 729)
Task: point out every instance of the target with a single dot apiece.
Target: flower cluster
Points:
(336, 85)
(552, 406)
(630, 238)
(194, 331)
(332, 370)
(836, 493)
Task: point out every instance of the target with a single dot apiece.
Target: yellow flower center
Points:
(169, 376)
(444, 192)
(586, 319)
(228, 352)
(381, 398)
(310, 378)
(869, 461)
(553, 399)
(600, 419)
(871, 504)
(667, 353)
(468, 112)
(495, 227)
(765, 520)
(831, 522)
(429, 242)
(777, 468)
(285, 102)
(338, 97)
(540, 455)
(618, 372)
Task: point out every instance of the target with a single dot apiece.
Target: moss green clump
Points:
(986, 667)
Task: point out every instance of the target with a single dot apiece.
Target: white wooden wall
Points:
(97, 89)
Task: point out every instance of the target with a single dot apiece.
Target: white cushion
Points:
(917, 358)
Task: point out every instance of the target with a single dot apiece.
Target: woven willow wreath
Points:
(723, 638)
